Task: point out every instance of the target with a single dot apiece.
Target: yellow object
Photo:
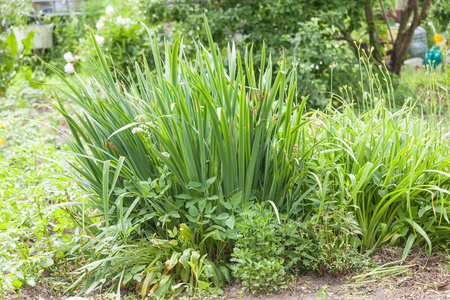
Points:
(1, 125)
(2, 141)
(437, 38)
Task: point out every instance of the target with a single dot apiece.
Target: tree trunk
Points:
(371, 27)
(406, 34)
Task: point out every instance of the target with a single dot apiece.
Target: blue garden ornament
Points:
(433, 57)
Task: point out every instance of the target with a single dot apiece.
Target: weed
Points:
(267, 251)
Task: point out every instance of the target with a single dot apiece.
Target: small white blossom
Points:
(136, 130)
(69, 68)
(120, 20)
(69, 57)
(317, 67)
(109, 10)
(100, 40)
(312, 66)
(102, 19)
(100, 25)
(123, 21)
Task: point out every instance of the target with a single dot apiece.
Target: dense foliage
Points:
(196, 154)
(194, 144)
(272, 248)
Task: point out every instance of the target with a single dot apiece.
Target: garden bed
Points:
(428, 278)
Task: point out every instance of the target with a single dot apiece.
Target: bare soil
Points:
(425, 278)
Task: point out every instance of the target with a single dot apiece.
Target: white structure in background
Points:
(43, 37)
(56, 7)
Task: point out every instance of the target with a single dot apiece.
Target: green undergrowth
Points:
(29, 183)
(272, 249)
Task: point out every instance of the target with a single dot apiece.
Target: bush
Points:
(124, 39)
(190, 144)
(269, 250)
(10, 57)
(68, 32)
(389, 168)
(198, 142)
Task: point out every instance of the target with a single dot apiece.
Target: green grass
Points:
(29, 183)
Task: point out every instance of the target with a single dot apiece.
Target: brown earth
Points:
(423, 278)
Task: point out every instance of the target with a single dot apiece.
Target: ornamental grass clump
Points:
(389, 168)
(191, 142)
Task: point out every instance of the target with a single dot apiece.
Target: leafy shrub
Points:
(68, 31)
(10, 56)
(440, 15)
(268, 250)
(124, 39)
(14, 11)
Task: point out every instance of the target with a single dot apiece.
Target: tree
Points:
(276, 20)
(374, 27)
(314, 33)
(406, 34)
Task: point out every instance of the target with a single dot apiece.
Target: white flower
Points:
(102, 19)
(69, 57)
(100, 40)
(317, 67)
(100, 25)
(120, 20)
(312, 66)
(69, 68)
(109, 10)
(136, 130)
(123, 21)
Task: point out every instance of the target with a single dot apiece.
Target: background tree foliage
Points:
(315, 34)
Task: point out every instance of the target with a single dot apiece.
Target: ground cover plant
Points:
(272, 249)
(29, 183)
